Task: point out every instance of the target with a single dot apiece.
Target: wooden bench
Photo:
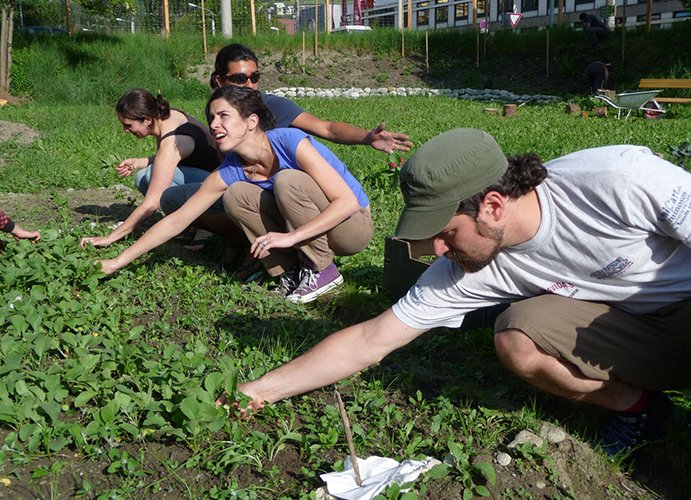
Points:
(667, 83)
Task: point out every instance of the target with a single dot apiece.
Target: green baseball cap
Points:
(444, 171)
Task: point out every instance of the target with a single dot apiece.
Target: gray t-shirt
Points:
(615, 228)
(285, 111)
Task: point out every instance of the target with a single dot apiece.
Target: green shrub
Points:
(98, 69)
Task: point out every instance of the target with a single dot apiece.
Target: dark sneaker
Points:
(252, 271)
(625, 431)
(315, 283)
(288, 281)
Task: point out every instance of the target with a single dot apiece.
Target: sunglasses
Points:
(241, 78)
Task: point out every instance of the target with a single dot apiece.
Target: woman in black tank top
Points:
(185, 153)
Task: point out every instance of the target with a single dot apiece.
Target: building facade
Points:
(494, 14)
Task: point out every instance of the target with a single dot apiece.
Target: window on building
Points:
(441, 14)
(589, 3)
(528, 5)
(423, 13)
(481, 7)
(461, 10)
(653, 17)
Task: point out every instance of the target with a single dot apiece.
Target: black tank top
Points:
(204, 155)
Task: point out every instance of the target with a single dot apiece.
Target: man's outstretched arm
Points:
(336, 357)
(345, 133)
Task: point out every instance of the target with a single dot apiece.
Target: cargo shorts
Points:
(648, 351)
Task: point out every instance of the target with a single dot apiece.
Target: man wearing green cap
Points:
(593, 258)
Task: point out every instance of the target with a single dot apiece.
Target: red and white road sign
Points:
(514, 17)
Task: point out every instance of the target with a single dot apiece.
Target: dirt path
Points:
(106, 205)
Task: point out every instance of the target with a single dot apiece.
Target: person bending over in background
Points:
(185, 153)
(237, 65)
(7, 225)
(597, 74)
(595, 264)
(295, 201)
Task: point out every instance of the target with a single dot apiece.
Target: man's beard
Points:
(472, 265)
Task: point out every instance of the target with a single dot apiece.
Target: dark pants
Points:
(595, 34)
(597, 74)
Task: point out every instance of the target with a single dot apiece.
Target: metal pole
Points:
(226, 18)
(623, 31)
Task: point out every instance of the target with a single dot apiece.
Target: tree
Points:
(7, 14)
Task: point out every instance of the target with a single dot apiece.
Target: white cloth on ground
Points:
(376, 473)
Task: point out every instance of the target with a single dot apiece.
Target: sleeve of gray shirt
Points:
(284, 110)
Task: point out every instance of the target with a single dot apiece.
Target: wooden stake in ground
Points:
(547, 56)
(6, 44)
(427, 50)
(166, 19)
(349, 439)
(402, 43)
(316, 28)
(477, 35)
(254, 18)
(68, 17)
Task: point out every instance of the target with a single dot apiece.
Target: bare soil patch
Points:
(353, 68)
(106, 205)
(18, 132)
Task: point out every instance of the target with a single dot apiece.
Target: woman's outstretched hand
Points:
(108, 266)
(97, 241)
(20, 233)
(254, 405)
(128, 166)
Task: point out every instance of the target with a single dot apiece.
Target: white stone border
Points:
(470, 94)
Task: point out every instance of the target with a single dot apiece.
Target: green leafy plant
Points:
(472, 475)
(681, 154)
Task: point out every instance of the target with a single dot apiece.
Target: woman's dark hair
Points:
(247, 102)
(138, 104)
(228, 54)
(523, 174)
